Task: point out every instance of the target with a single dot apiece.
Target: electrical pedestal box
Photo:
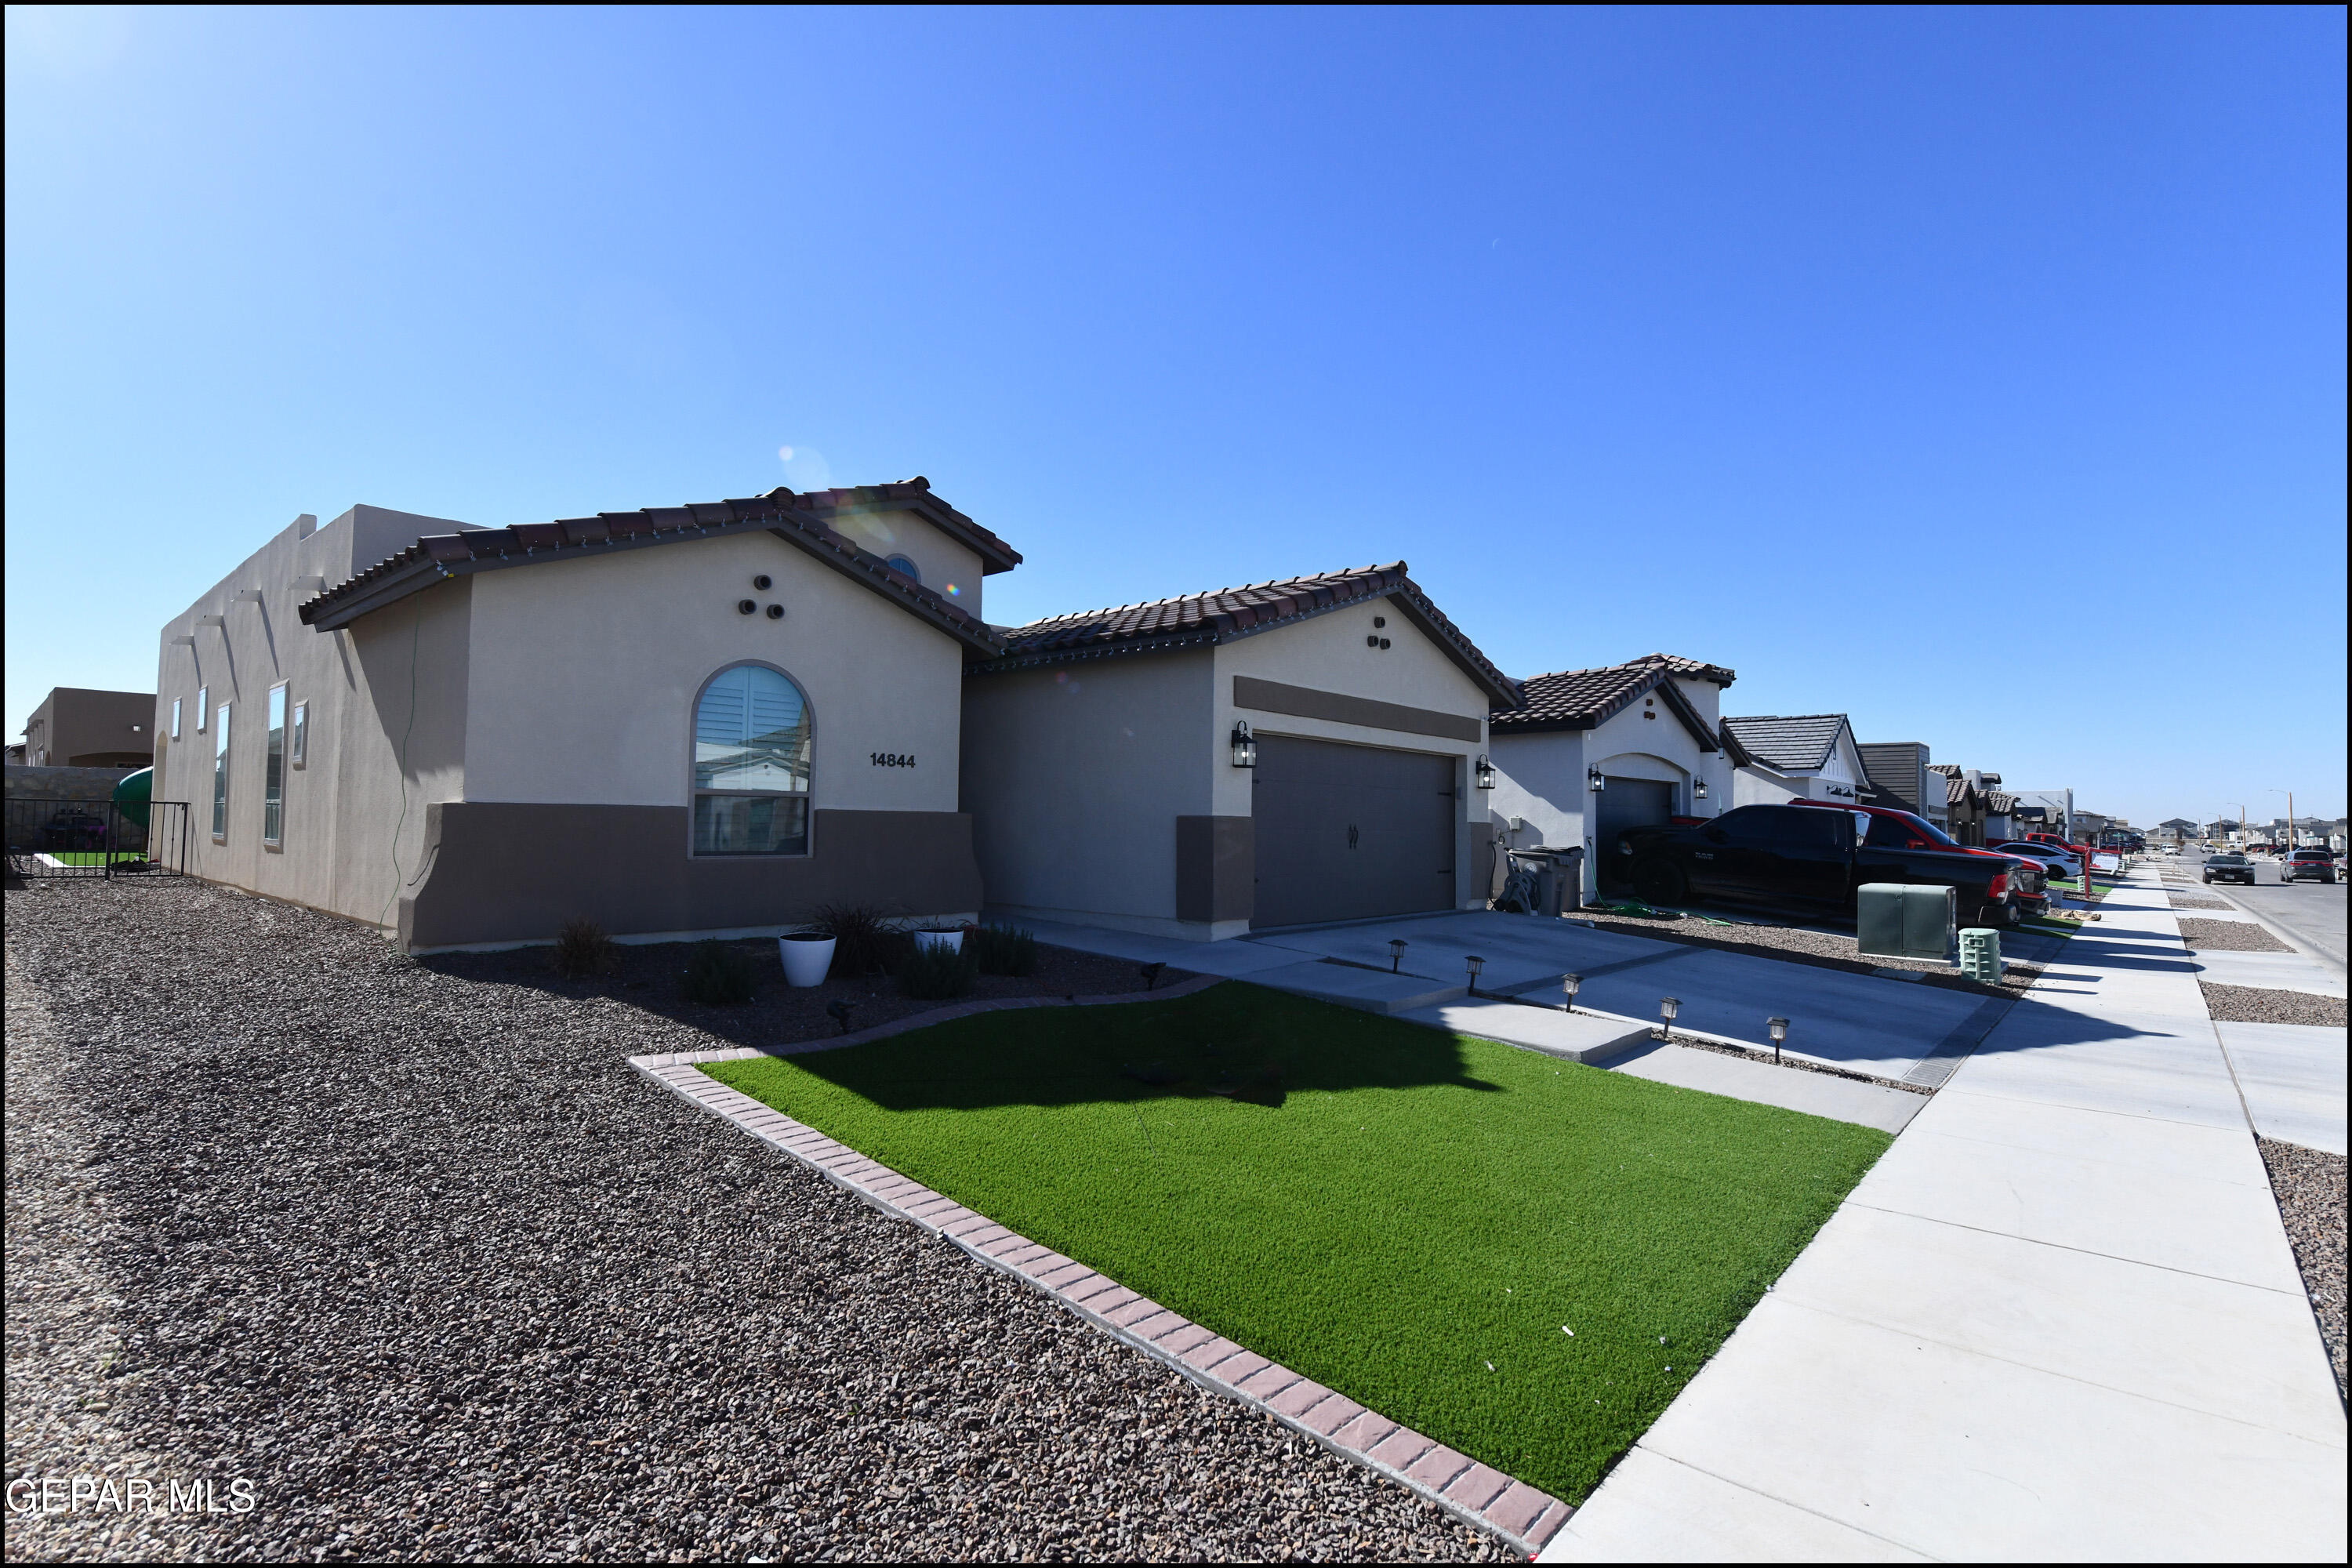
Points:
(1981, 954)
(1894, 920)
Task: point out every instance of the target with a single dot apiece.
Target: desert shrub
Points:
(936, 973)
(717, 975)
(864, 941)
(1003, 950)
(582, 950)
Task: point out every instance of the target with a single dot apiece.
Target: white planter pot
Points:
(950, 940)
(806, 958)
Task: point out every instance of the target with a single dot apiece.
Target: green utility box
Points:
(1981, 954)
(1895, 920)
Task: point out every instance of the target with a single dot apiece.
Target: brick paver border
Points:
(1471, 1492)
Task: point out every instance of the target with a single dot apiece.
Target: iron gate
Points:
(56, 839)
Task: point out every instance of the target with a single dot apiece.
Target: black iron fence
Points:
(53, 839)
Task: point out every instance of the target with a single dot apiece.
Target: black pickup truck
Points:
(1816, 855)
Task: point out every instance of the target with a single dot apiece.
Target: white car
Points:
(2061, 862)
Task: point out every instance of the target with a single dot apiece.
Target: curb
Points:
(2276, 929)
(1523, 1517)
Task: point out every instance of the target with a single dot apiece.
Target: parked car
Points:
(2231, 868)
(1816, 853)
(2315, 863)
(2061, 862)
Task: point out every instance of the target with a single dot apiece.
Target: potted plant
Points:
(947, 938)
(807, 955)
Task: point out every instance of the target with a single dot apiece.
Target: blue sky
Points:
(1979, 375)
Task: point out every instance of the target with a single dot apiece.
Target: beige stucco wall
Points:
(947, 567)
(1328, 653)
(1074, 776)
(585, 671)
(354, 815)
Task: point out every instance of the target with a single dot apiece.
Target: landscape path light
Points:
(1476, 965)
(1668, 1007)
(1396, 953)
(1570, 985)
(1779, 1029)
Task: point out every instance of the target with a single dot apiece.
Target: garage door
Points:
(1350, 832)
(1628, 803)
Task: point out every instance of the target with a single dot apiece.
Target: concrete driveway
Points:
(1889, 1028)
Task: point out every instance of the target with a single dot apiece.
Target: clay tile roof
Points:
(1589, 695)
(1690, 668)
(1198, 620)
(1790, 744)
(1583, 699)
(803, 519)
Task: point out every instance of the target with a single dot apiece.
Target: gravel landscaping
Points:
(2309, 1184)
(411, 1250)
(1808, 944)
(2190, 901)
(2230, 936)
(2252, 1005)
(1799, 1064)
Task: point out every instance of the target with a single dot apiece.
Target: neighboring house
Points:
(1963, 805)
(2177, 829)
(1899, 777)
(1810, 756)
(78, 727)
(1282, 753)
(715, 718)
(2047, 811)
(2000, 812)
(1591, 753)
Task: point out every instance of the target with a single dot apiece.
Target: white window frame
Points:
(220, 772)
(695, 792)
(273, 756)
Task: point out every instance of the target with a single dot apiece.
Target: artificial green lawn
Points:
(92, 857)
(1409, 1216)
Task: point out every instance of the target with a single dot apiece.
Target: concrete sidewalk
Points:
(2059, 1321)
(1861, 1022)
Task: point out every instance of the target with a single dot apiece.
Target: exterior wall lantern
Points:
(1244, 746)
(1592, 777)
(1698, 788)
(1485, 771)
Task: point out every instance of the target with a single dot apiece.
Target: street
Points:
(2314, 912)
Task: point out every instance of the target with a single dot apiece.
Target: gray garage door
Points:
(1628, 803)
(1350, 832)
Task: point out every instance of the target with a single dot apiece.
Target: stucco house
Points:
(1590, 753)
(77, 726)
(1281, 753)
(699, 719)
(1898, 775)
(1810, 756)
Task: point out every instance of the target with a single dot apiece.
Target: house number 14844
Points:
(892, 759)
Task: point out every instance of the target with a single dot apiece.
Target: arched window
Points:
(751, 764)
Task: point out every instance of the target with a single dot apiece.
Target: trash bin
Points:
(1558, 877)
